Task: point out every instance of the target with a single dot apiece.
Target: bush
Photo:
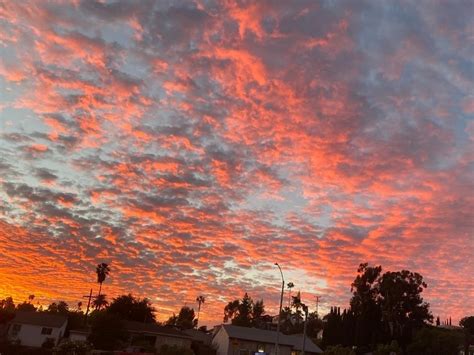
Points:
(70, 347)
(339, 350)
(433, 341)
(175, 350)
(388, 349)
(48, 343)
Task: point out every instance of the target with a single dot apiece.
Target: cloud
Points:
(193, 145)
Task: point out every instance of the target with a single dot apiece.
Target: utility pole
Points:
(305, 309)
(88, 306)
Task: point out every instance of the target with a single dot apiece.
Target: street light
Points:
(277, 346)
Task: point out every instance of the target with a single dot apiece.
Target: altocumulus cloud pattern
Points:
(193, 144)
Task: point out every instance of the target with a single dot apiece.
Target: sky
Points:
(191, 145)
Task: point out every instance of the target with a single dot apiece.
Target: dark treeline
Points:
(386, 315)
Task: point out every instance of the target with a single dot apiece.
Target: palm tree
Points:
(102, 271)
(290, 285)
(31, 298)
(200, 300)
(100, 301)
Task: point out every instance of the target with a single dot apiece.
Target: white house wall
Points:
(221, 342)
(30, 335)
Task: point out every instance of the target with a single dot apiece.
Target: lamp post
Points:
(277, 346)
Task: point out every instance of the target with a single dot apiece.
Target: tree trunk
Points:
(199, 311)
(100, 289)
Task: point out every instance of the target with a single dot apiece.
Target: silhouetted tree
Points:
(333, 328)
(184, 320)
(298, 315)
(130, 308)
(26, 307)
(102, 270)
(403, 309)
(348, 327)
(200, 300)
(289, 285)
(467, 323)
(245, 312)
(107, 331)
(364, 305)
(100, 301)
(7, 310)
(315, 324)
(58, 308)
(258, 314)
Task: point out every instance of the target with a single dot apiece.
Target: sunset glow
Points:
(191, 145)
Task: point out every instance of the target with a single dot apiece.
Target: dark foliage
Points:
(184, 320)
(130, 308)
(435, 341)
(107, 331)
(245, 312)
(175, 350)
(26, 307)
(7, 310)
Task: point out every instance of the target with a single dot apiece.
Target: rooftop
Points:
(40, 318)
(153, 328)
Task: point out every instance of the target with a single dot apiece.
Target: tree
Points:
(130, 308)
(58, 308)
(31, 298)
(26, 307)
(333, 328)
(107, 331)
(184, 320)
(7, 310)
(99, 302)
(102, 270)
(200, 300)
(315, 324)
(7, 304)
(403, 309)
(364, 305)
(289, 285)
(244, 312)
(468, 325)
(387, 306)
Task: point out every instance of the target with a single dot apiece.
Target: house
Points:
(152, 334)
(234, 340)
(35, 328)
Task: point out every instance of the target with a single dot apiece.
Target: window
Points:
(46, 331)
